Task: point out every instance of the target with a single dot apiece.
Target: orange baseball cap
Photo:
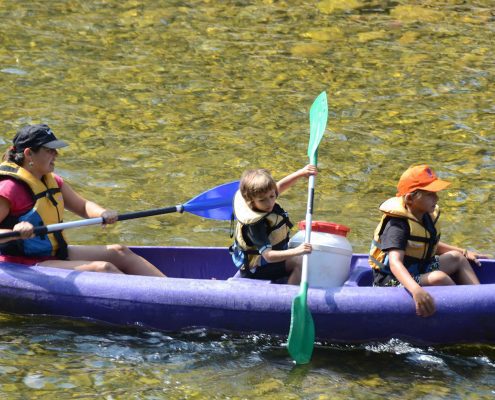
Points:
(420, 177)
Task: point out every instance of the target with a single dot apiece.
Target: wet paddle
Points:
(215, 203)
(302, 329)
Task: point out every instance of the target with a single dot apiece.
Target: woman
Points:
(31, 194)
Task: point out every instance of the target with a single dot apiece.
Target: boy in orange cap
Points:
(406, 249)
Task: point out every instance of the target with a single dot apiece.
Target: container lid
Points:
(327, 227)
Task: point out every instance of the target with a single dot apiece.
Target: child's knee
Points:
(457, 257)
(453, 261)
(438, 278)
(453, 257)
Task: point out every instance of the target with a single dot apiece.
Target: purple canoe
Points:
(202, 293)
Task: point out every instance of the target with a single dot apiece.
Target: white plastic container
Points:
(330, 261)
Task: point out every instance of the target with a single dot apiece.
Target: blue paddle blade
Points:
(318, 115)
(215, 203)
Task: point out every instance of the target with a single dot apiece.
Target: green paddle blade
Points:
(302, 329)
(318, 115)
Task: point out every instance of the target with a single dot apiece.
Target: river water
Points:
(162, 100)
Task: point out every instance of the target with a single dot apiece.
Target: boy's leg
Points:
(294, 266)
(435, 278)
(457, 266)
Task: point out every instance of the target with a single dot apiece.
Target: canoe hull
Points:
(349, 314)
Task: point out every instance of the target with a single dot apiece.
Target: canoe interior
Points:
(216, 263)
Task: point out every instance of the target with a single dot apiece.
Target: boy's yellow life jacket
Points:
(48, 209)
(278, 223)
(420, 245)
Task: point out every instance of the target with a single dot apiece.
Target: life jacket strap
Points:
(384, 268)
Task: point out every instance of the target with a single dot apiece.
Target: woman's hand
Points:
(109, 217)
(25, 229)
(425, 305)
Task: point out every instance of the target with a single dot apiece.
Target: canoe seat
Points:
(361, 273)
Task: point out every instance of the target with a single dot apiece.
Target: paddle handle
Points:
(43, 230)
(149, 213)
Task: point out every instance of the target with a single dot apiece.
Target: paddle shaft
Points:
(215, 203)
(307, 234)
(301, 338)
(43, 230)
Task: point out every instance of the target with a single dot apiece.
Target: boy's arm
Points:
(470, 255)
(257, 234)
(425, 306)
(273, 256)
(289, 180)
(444, 248)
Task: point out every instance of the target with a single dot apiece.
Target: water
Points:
(162, 100)
(85, 361)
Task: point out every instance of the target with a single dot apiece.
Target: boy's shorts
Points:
(269, 272)
(434, 265)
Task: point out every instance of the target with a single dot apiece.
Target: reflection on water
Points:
(164, 100)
